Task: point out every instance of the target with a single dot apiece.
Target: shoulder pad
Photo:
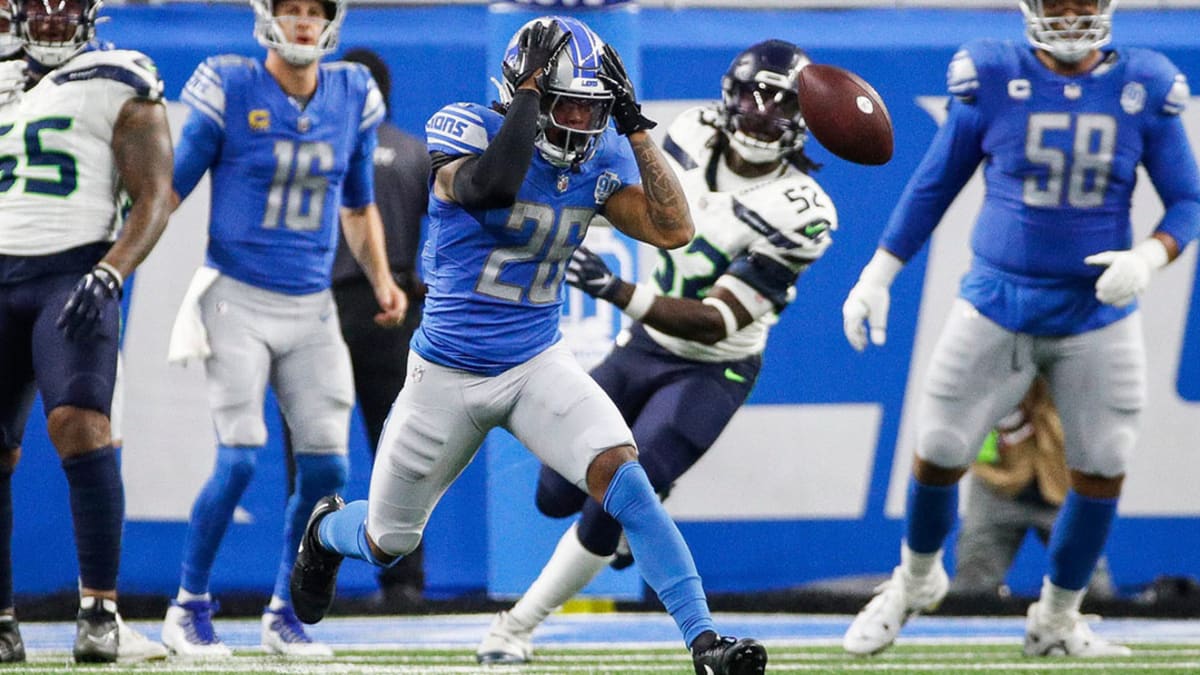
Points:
(205, 89)
(130, 68)
(461, 129)
(793, 215)
(689, 139)
(976, 65)
(1167, 89)
(359, 80)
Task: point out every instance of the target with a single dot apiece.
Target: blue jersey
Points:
(280, 170)
(495, 276)
(1060, 161)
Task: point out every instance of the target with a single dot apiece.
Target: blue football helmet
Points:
(576, 104)
(761, 102)
(1068, 39)
(270, 33)
(54, 31)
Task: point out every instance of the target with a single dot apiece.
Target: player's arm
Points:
(203, 131)
(363, 229)
(656, 211)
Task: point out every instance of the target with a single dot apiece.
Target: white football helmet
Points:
(1067, 39)
(10, 43)
(53, 31)
(270, 33)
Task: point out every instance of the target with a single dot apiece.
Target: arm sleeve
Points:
(493, 179)
(198, 148)
(1171, 164)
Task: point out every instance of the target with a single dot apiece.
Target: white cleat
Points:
(188, 631)
(896, 601)
(505, 643)
(283, 634)
(1065, 635)
(133, 647)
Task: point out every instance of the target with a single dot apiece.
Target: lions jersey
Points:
(280, 167)
(784, 218)
(1060, 160)
(495, 276)
(59, 187)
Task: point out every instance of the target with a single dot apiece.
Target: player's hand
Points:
(537, 53)
(394, 305)
(13, 78)
(589, 273)
(1128, 272)
(96, 293)
(626, 112)
(867, 302)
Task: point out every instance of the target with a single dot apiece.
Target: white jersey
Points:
(59, 187)
(783, 218)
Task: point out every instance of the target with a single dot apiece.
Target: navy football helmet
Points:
(761, 102)
(270, 33)
(1068, 39)
(576, 103)
(53, 31)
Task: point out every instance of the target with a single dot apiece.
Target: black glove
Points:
(92, 296)
(626, 111)
(587, 272)
(538, 48)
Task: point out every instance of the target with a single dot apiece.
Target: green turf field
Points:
(945, 659)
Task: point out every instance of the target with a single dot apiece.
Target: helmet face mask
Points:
(760, 102)
(1068, 38)
(54, 31)
(576, 104)
(276, 23)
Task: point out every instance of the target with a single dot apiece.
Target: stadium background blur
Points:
(806, 485)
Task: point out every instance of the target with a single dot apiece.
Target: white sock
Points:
(277, 603)
(918, 565)
(1057, 601)
(183, 596)
(565, 574)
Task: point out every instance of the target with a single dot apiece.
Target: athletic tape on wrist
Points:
(639, 303)
(731, 324)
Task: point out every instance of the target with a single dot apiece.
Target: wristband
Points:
(731, 324)
(114, 272)
(639, 302)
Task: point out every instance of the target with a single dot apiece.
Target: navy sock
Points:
(98, 513)
(663, 557)
(213, 511)
(6, 528)
(930, 516)
(1077, 540)
(316, 476)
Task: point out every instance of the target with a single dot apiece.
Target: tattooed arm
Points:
(656, 211)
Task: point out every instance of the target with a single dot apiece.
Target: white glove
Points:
(869, 300)
(1128, 272)
(12, 80)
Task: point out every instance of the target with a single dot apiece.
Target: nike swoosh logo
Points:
(811, 231)
(733, 377)
(708, 670)
(99, 640)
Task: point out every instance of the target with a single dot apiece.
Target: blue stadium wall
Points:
(439, 55)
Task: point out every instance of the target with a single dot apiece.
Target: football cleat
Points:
(133, 647)
(314, 575)
(505, 643)
(96, 631)
(188, 631)
(896, 601)
(729, 656)
(12, 647)
(1065, 635)
(283, 634)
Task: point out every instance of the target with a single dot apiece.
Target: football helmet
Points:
(270, 32)
(10, 43)
(761, 102)
(1068, 39)
(53, 31)
(576, 104)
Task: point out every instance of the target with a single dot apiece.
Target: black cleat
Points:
(12, 647)
(96, 631)
(314, 576)
(729, 656)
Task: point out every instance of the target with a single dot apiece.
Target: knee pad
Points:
(557, 497)
(240, 426)
(329, 432)
(945, 447)
(320, 475)
(398, 543)
(1108, 455)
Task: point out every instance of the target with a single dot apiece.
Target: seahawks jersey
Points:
(761, 232)
(495, 276)
(59, 187)
(1060, 161)
(281, 168)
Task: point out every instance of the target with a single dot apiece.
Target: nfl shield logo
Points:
(563, 181)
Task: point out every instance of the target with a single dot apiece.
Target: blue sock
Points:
(213, 511)
(662, 555)
(1077, 540)
(98, 513)
(930, 516)
(316, 476)
(345, 532)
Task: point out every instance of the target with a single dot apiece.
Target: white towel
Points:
(189, 339)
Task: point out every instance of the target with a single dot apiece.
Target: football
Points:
(845, 114)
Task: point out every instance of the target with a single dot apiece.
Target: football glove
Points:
(1128, 272)
(13, 77)
(589, 273)
(626, 111)
(92, 296)
(538, 48)
(868, 301)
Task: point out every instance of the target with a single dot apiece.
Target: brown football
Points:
(845, 114)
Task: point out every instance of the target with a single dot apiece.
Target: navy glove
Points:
(626, 112)
(588, 272)
(92, 296)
